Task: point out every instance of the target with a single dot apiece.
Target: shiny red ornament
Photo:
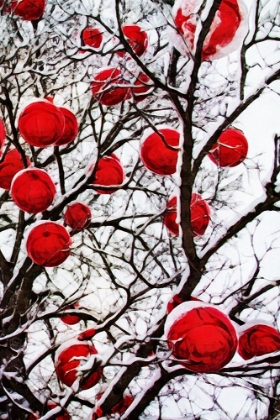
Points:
(201, 337)
(70, 361)
(41, 124)
(71, 128)
(33, 190)
(71, 319)
(137, 39)
(156, 154)
(231, 148)
(200, 215)
(92, 37)
(109, 171)
(226, 32)
(77, 216)
(10, 166)
(142, 87)
(48, 244)
(119, 408)
(258, 340)
(28, 9)
(109, 87)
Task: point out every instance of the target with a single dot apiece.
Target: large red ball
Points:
(109, 171)
(28, 9)
(10, 166)
(92, 37)
(41, 124)
(77, 216)
(137, 39)
(109, 87)
(201, 337)
(70, 361)
(48, 244)
(231, 148)
(33, 190)
(200, 215)
(71, 128)
(155, 153)
(225, 32)
(258, 340)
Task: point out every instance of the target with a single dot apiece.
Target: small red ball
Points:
(70, 361)
(109, 87)
(137, 39)
(109, 171)
(231, 148)
(77, 216)
(33, 190)
(41, 123)
(28, 9)
(71, 319)
(142, 87)
(92, 37)
(155, 153)
(258, 340)
(48, 244)
(11, 165)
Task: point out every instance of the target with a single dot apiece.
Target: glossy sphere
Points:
(77, 216)
(33, 190)
(48, 244)
(92, 37)
(109, 87)
(71, 319)
(155, 153)
(71, 128)
(258, 340)
(71, 359)
(202, 336)
(231, 148)
(109, 172)
(28, 9)
(10, 166)
(200, 215)
(221, 38)
(137, 39)
(142, 87)
(41, 124)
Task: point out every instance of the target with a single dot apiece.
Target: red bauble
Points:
(201, 336)
(200, 215)
(155, 153)
(28, 9)
(226, 31)
(48, 244)
(142, 87)
(71, 319)
(137, 39)
(41, 124)
(231, 148)
(33, 190)
(109, 171)
(70, 130)
(71, 359)
(2, 134)
(92, 37)
(258, 340)
(10, 166)
(77, 216)
(109, 87)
